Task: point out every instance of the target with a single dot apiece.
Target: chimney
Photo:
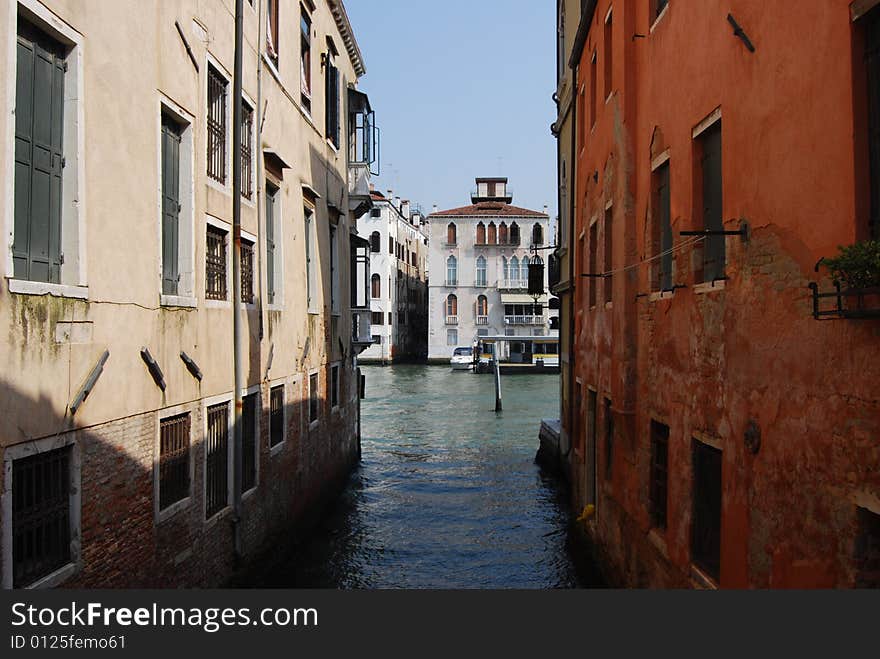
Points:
(390, 194)
(397, 203)
(435, 209)
(372, 187)
(404, 209)
(545, 209)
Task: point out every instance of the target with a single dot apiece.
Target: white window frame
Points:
(449, 334)
(186, 254)
(73, 282)
(217, 223)
(223, 71)
(26, 449)
(230, 420)
(160, 516)
(255, 389)
(281, 382)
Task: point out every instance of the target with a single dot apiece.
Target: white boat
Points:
(462, 359)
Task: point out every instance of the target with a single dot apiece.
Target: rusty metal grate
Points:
(215, 264)
(276, 415)
(217, 460)
(247, 272)
(174, 434)
(40, 515)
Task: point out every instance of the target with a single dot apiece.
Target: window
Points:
(481, 270)
(305, 51)
(482, 332)
(274, 264)
(390, 318)
(514, 234)
(662, 230)
(524, 269)
(276, 416)
(609, 439)
(609, 54)
(311, 283)
(272, 31)
(313, 398)
(247, 151)
(867, 549)
(247, 271)
(334, 270)
(503, 238)
(249, 446)
(377, 318)
(390, 245)
(40, 515)
(481, 234)
(451, 234)
(451, 271)
(537, 234)
(215, 264)
(39, 156)
(659, 6)
(871, 22)
(333, 386)
(493, 234)
(170, 181)
(174, 466)
(482, 306)
(581, 127)
(451, 305)
(375, 212)
(593, 74)
(375, 242)
(452, 337)
(217, 460)
(377, 339)
(706, 521)
(709, 146)
(331, 108)
(514, 269)
(592, 433)
(376, 286)
(658, 482)
(217, 92)
(594, 265)
(505, 269)
(609, 254)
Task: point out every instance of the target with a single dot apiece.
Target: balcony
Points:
(524, 320)
(482, 320)
(363, 157)
(513, 285)
(361, 328)
(850, 303)
(503, 195)
(452, 320)
(481, 282)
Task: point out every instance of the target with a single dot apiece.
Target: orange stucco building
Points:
(725, 436)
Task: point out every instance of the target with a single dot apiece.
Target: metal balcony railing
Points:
(452, 320)
(514, 284)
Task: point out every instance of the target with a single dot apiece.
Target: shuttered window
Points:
(217, 460)
(174, 471)
(39, 158)
(271, 198)
(276, 415)
(659, 477)
(872, 64)
(714, 247)
(706, 520)
(170, 206)
(215, 264)
(40, 515)
(247, 271)
(662, 230)
(331, 110)
(249, 418)
(217, 87)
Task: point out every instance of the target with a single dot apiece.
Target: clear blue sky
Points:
(461, 88)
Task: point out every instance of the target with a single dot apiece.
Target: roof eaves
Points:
(583, 31)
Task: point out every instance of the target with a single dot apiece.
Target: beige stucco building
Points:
(116, 313)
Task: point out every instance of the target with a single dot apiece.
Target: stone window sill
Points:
(709, 287)
(178, 301)
(25, 287)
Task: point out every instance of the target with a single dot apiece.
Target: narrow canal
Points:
(447, 495)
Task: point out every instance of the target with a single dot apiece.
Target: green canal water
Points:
(447, 494)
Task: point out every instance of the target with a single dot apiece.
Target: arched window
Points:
(451, 234)
(481, 270)
(505, 268)
(524, 268)
(451, 305)
(482, 306)
(375, 242)
(376, 286)
(451, 271)
(514, 269)
(537, 234)
(514, 234)
(493, 234)
(481, 234)
(502, 233)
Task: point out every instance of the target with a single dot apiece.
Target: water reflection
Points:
(448, 495)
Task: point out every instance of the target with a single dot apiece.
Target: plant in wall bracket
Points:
(856, 266)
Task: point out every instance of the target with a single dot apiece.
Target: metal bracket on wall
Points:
(191, 366)
(743, 232)
(186, 45)
(89, 384)
(153, 366)
(739, 32)
(269, 361)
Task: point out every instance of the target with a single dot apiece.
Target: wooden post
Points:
(497, 384)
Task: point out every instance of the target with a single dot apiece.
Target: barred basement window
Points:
(249, 416)
(659, 479)
(706, 521)
(276, 416)
(215, 264)
(40, 515)
(174, 469)
(247, 130)
(313, 398)
(247, 271)
(216, 125)
(217, 460)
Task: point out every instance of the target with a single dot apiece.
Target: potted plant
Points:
(857, 269)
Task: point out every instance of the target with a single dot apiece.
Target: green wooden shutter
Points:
(170, 207)
(39, 122)
(270, 243)
(665, 230)
(713, 252)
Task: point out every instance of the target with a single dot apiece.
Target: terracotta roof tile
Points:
(490, 208)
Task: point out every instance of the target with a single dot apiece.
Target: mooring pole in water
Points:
(497, 386)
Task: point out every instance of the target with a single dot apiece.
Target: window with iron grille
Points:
(174, 465)
(247, 271)
(40, 515)
(334, 386)
(313, 397)
(276, 415)
(217, 460)
(867, 549)
(249, 417)
(247, 133)
(609, 439)
(706, 520)
(217, 90)
(215, 264)
(659, 478)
